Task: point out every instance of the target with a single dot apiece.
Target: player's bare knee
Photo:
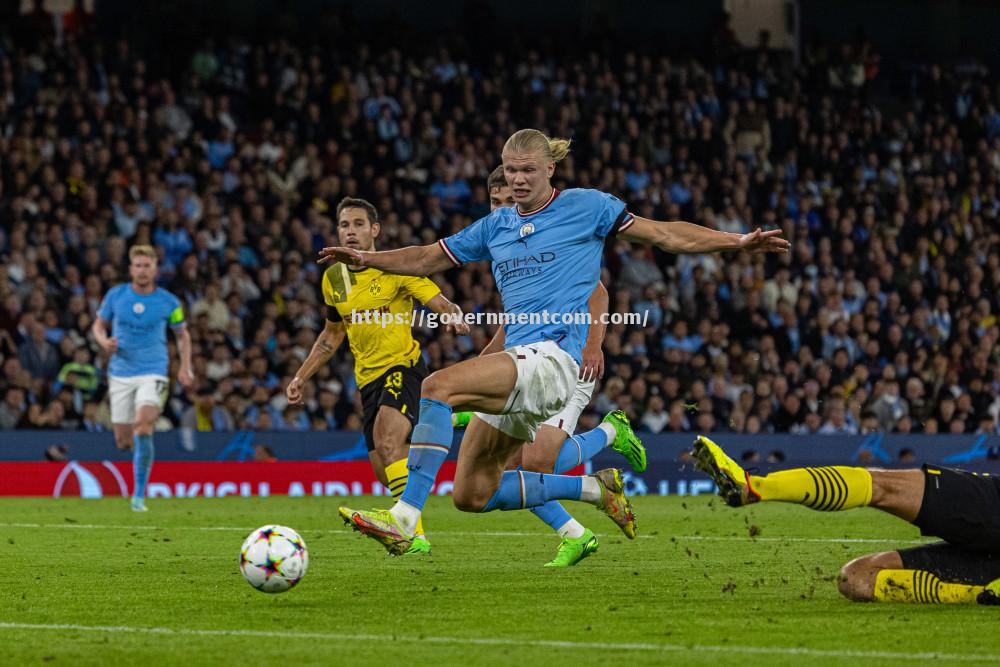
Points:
(856, 581)
(437, 387)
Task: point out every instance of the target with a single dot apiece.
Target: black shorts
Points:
(953, 564)
(398, 387)
(963, 509)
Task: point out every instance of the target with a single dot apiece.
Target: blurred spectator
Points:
(38, 356)
(13, 408)
(205, 414)
(655, 418)
(890, 407)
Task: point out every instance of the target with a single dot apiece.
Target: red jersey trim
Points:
(552, 198)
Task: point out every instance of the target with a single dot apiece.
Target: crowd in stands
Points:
(883, 317)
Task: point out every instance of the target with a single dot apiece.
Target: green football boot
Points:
(626, 443)
(572, 551)
(420, 547)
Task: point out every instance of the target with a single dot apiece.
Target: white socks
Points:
(609, 431)
(572, 529)
(406, 515)
(590, 490)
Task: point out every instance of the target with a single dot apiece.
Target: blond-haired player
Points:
(137, 315)
(546, 255)
(556, 447)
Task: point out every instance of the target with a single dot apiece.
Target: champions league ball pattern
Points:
(273, 559)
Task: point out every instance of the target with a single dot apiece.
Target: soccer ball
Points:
(273, 559)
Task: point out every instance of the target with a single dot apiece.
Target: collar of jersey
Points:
(552, 198)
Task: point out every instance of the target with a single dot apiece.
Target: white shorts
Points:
(128, 393)
(578, 402)
(546, 380)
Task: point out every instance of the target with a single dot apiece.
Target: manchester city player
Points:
(137, 314)
(546, 254)
(556, 448)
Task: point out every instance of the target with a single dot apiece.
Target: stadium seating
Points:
(883, 318)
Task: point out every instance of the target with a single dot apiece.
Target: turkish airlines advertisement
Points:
(182, 479)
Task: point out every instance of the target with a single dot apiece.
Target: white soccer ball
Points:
(273, 559)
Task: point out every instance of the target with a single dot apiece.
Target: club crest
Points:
(138, 308)
(526, 229)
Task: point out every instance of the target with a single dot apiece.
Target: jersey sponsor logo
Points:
(523, 266)
(138, 308)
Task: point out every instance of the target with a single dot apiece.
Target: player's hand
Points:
(337, 254)
(456, 323)
(592, 366)
(110, 345)
(185, 376)
(759, 241)
(294, 391)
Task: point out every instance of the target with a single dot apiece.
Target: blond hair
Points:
(142, 251)
(533, 141)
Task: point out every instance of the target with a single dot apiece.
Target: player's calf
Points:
(142, 459)
(888, 577)
(541, 455)
(123, 437)
(473, 493)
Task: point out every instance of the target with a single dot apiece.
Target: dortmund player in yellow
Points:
(373, 309)
(961, 508)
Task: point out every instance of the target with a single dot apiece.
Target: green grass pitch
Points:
(91, 583)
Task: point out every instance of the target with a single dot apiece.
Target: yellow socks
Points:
(828, 489)
(921, 586)
(397, 473)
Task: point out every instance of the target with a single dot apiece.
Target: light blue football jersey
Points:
(139, 322)
(544, 261)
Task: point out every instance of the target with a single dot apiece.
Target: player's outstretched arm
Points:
(326, 344)
(450, 314)
(412, 261)
(592, 366)
(185, 374)
(686, 238)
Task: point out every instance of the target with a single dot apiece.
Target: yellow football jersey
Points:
(376, 346)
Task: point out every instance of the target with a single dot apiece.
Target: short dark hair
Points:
(496, 179)
(355, 202)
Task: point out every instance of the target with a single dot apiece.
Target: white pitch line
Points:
(484, 533)
(499, 641)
